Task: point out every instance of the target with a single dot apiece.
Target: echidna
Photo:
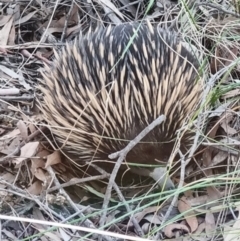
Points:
(102, 91)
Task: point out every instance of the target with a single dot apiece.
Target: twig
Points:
(121, 156)
(77, 181)
(218, 8)
(111, 14)
(175, 198)
(86, 222)
(66, 21)
(24, 194)
(17, 98)
(122, 199)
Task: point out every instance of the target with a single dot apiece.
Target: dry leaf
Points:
(8, 177)
(110, 5)
(37, 163)
(43, 154)
(10, 72)
(210, 224)
(2, 131)
(8, 234)
(184, 207)
(40, 175)
(4, 19)
(64, 235)
(153, 219)
(53, 159)
(219, 158)
(32, 128)
(74, 14)
(35, 188)
(37, 214)
(25, 18)
(12, 35)
(213, 193)
(12, 134)
(140, 215)
(51, 235)
(207, 161)
(4, 32)
(12, 147)
(198, 234)
(232, 233)
(168, 230)
(23, 129)
(228, 129)
(27, 151)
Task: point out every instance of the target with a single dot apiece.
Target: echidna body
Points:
(102, 91)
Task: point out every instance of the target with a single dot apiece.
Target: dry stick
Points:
(66, 21)
(218, 8)
(121, 156)
(86, 222)
(76, 181)
(24, 194)
(122, 199)
(175, 197)
(111, 14)
(17, 98)
(31, 45)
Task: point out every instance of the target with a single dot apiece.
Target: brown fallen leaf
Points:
(184, 207)
(4, 32)
(53, 159)
(210, 224)
(169, 229)
(198, 235)
(9, 234)
(12, 147)
(8, 178)
(11, 134)
(35, 188)
(27, 151)
(4, 19)
(40, 175)
(12, 36)
(231, 232)
(37, 163)
(25, 18)
(140, 215)
(23, 129)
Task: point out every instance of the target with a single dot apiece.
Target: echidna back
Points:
(101, 92)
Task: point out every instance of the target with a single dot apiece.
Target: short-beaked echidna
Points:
(96, 97)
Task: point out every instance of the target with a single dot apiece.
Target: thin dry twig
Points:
(17, 98)
(76, 181)
(122, 154)
(212, 5)
(86, 221)
(121, 198)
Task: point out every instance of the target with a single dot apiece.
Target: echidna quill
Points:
(96, 98)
